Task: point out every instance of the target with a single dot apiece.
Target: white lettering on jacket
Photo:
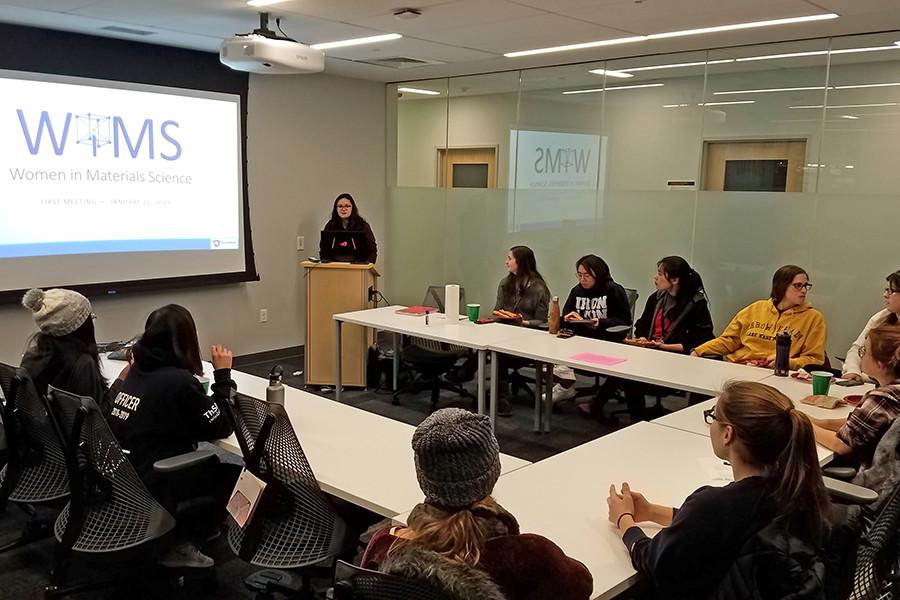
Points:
(591, 308)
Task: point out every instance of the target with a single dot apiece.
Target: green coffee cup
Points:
(204, 381)
(821, 382)
(473, 310)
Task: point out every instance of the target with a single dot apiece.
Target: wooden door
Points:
(467, 167)
(754, 165)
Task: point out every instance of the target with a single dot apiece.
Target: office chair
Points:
(877, 568)
(355, 583)
(429, 360)
(110, 514)
(294, 525)
(35, 472)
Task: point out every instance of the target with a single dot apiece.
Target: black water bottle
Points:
(782, 353)
(275, 390)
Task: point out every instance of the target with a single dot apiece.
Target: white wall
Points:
(309, 138)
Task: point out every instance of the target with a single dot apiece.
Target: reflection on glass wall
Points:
(739, 159)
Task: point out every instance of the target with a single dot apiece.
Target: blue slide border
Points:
(102, 246)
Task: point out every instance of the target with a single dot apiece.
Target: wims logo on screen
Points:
(97, 133)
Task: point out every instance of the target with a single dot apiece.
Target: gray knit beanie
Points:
(57, 312)
(457, 457)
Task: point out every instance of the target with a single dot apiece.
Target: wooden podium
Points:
(333, 288)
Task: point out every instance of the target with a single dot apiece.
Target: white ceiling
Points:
(465, 36)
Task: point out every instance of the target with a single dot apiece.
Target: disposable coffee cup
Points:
(821, 382)
(472, 310)
(204, 381)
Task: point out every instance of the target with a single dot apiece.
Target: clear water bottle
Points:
(275, 390)
(782, 353)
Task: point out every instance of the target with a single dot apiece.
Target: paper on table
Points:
(597, 359)
(716, 469)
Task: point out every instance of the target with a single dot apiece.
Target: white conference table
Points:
(563, 498)
(667, 369)
(690, 419)
(461, 333)
(358, 456)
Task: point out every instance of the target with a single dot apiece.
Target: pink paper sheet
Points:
(597, 359)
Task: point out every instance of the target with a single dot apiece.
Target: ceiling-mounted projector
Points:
(263, 51)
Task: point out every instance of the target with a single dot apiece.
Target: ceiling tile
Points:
(546, 30)
(410, 48)
(453, 15)
(352, 10)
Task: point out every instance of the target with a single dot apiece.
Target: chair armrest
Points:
(848, 492)
(180, 462)
(618, 329)
(844, 473)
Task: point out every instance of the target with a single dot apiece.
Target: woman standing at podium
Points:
(345, 217)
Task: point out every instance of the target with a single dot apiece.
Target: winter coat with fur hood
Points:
(522, 566)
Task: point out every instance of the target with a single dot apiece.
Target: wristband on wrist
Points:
(619, 520)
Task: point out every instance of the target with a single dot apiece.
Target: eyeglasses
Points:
(585, 275)
(709, 415)
(801, 286)
(861, 351)
(890, 291)
(344, 207)
(93, 317)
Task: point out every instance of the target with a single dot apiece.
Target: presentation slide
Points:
(110, 181)
(554, 177)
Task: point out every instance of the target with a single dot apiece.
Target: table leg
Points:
(538, 385)
(337, 361)
(548, 398)
(482, 359)
(495, 387)
(396, 364)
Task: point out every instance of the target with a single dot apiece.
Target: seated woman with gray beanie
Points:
(460, 539)
(64, 353)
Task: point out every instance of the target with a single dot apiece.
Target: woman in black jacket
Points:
(777, 487)
(345, 217)
(676, 317)
(160, 410)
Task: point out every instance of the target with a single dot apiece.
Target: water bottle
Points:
(782, 353)
(275, 390)
(553, 319)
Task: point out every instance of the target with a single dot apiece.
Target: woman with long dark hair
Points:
(772, 453)
(64, 352)
(460, 534)
(750, 337)
(523, 290)
(890, 315)
(676, 316)
(345, 217)
(161, 410)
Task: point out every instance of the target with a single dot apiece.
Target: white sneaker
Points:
(185, 554)
(561, 394)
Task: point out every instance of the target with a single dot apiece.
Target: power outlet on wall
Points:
(263, 315)
(301, 243)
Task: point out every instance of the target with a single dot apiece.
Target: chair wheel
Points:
(395, 401)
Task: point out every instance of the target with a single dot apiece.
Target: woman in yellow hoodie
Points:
(750, 337)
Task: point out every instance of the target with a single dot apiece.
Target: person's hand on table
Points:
(621, 507)
(853, 376)
(221, 357)
(573, 316)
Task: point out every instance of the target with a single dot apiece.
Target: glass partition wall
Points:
(739, 159)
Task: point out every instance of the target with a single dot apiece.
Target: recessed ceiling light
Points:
(865, 85)
(849, 166)
(263, 2)
(711, 103)
(849, 117)
(418, 91)
(617, 87)
(766, 90)
(621, 74)
(847, 105)
(598, 44)
(358, 41)
(817, 53)
(677, 65)
(671, 34)
(750, 25)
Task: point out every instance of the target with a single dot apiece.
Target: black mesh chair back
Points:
(434, 296)
(36, 468)
(294, 525)
(355, 583)
(878, 554)
(110, 509)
